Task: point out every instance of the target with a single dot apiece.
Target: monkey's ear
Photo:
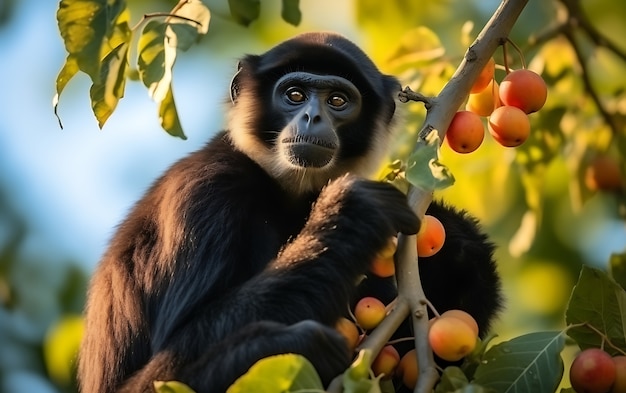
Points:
(234, 84)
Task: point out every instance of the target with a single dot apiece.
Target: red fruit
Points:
(463, 316)
(509, 126)
(348, 329)
(408, 369)
(383, 267)
(466, 132)
(603, 173)
(592, 371)
(523, 89)
(430, 237)
(620, 381)
(386, 362)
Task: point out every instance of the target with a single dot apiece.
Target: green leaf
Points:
(291, 12)
(83, 27)
(617, 263)
(106, 93)
(245, 12)
(529, 363)
(156, 59)
(280, 373)
(168, 115)
(171, 387)
(423, 167)
(356, 377)
(598, 301)
(452, 379)
(194, 26)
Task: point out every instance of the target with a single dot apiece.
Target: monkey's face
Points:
(312, 109)
(315, 109)
(308, 129)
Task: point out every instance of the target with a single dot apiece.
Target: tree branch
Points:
(438, 117)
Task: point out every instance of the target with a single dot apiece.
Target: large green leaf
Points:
(168, 115)
(191, 27)
(245, 12)
(158, 46)
(280, 373)
(106, 93)
(600, 302)
(423, 167)
(529, 363)
(96, 34)
(83, 27)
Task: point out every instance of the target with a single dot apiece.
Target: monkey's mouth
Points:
(308, 151)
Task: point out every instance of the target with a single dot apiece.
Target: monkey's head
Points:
(311, 109)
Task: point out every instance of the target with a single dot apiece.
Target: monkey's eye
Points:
(295, 95)
(337, 101)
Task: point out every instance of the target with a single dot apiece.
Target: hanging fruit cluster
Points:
(506, 105)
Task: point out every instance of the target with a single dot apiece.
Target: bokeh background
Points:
(63, 191)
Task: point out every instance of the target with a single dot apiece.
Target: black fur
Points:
(225, 261)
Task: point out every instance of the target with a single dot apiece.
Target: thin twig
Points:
(407, 95)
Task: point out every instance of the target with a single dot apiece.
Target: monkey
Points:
(252, 245)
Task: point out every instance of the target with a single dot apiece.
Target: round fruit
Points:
(451, 338)
(408, 369)
(386, 362)
(348, 329)
(603, 173)
(383, 267)
(466, 132)
(524, 89)
(509, 126)
(430, 237)
(484, 102)
(619, 386)
(485, 76)
(369, 312)
(592, 371)
(463, 316)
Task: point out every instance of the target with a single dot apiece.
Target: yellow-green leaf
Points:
(169, 115)
(171, 387)
(186, 31)
(83, 26)
(106, 94)
(279, 373)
